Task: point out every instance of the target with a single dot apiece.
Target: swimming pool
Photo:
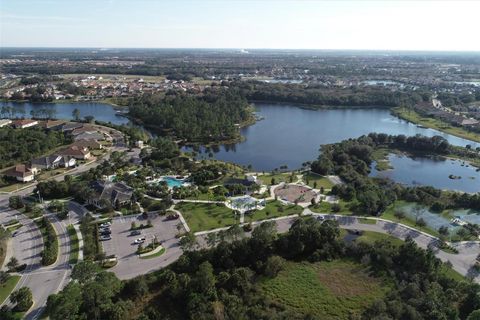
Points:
(173, 182)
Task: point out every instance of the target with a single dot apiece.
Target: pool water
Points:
(173, 182)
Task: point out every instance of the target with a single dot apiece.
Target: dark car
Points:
(135, 233)
(103, 232)
(172, 216)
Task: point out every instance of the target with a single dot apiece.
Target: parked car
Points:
(105, 231)
(105, 224)
(14, 233)
(105, 237)
(135, 233)
(139, 240)
(173, 216)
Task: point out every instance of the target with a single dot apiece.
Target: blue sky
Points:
(392, 25)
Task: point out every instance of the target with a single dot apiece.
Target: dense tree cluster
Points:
(223, 282)
(327, 96)
(209, 118)
(18, 146)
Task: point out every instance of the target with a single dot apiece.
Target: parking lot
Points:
(123, 247)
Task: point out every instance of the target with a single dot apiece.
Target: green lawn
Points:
(158, 254)
(279, 177)
(327, 290)
(7, 287)
(371, 237)
(320, 180)
(326, 207)
(367, 221)
(74, 245)
(15, 186)
(206, 216)
(273, 209)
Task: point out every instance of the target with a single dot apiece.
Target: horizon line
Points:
(240, 48)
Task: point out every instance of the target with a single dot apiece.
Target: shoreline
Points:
(415, 118)
(60, 101)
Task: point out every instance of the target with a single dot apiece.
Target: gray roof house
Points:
(53, 161)
(116, 193)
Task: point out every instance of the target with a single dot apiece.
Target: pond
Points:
(431, 171)
(436, 220)
(289, 135)
(101, 111)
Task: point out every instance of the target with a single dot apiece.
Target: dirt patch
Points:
(292, 193)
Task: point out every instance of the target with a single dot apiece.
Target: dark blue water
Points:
(101, 111)
(432, 172)
(289, 135)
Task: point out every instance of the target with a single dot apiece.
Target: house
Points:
(88, 143)
(70, 126)
(4, 122)
(89, 136)
(24, 123)
(22, 173)
(52, 124)
(83, 129)
(76, 152)
(115, 193)
(53, 161)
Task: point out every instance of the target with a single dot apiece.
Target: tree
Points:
(421, 223)
(188, 242)
(399, 214)
(15, 202)
(22, 299)
(76, 114)
(12, 264)
(85, 271)
(475, 315)
(273, 266)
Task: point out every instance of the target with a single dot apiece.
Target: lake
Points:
(289, 135)
(101, 111)
(434, 172)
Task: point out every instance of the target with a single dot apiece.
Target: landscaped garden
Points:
(317, 181)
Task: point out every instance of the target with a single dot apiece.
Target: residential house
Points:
(5, 122)
(22, 173)
(24, 123)
(52, 124)
(89, 136)
(76, 152)
(53, 161)
(88, 143)
(83, 129)
(70, 126)
(115, 193)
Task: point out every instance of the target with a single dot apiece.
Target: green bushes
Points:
(91, 245)
(50, 242)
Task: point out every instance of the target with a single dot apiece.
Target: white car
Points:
(105, 225)
(139, 240)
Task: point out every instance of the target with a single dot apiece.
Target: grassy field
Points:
(3, 245)
(206, 216)
(327, 290)
(273, 209)
(15, 187)
(326, 207)
(74, 245)
(414, 117)
(7, 287)
(371, 237)
(320, 180)
(367, 221)
(279, 177)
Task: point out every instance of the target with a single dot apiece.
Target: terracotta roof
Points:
(74, 151)
(22, 122)
(20, 170)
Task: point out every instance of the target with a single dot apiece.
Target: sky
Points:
(277, 24)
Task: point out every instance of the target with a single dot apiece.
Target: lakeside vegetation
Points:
(429, 122)
(212, 117)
